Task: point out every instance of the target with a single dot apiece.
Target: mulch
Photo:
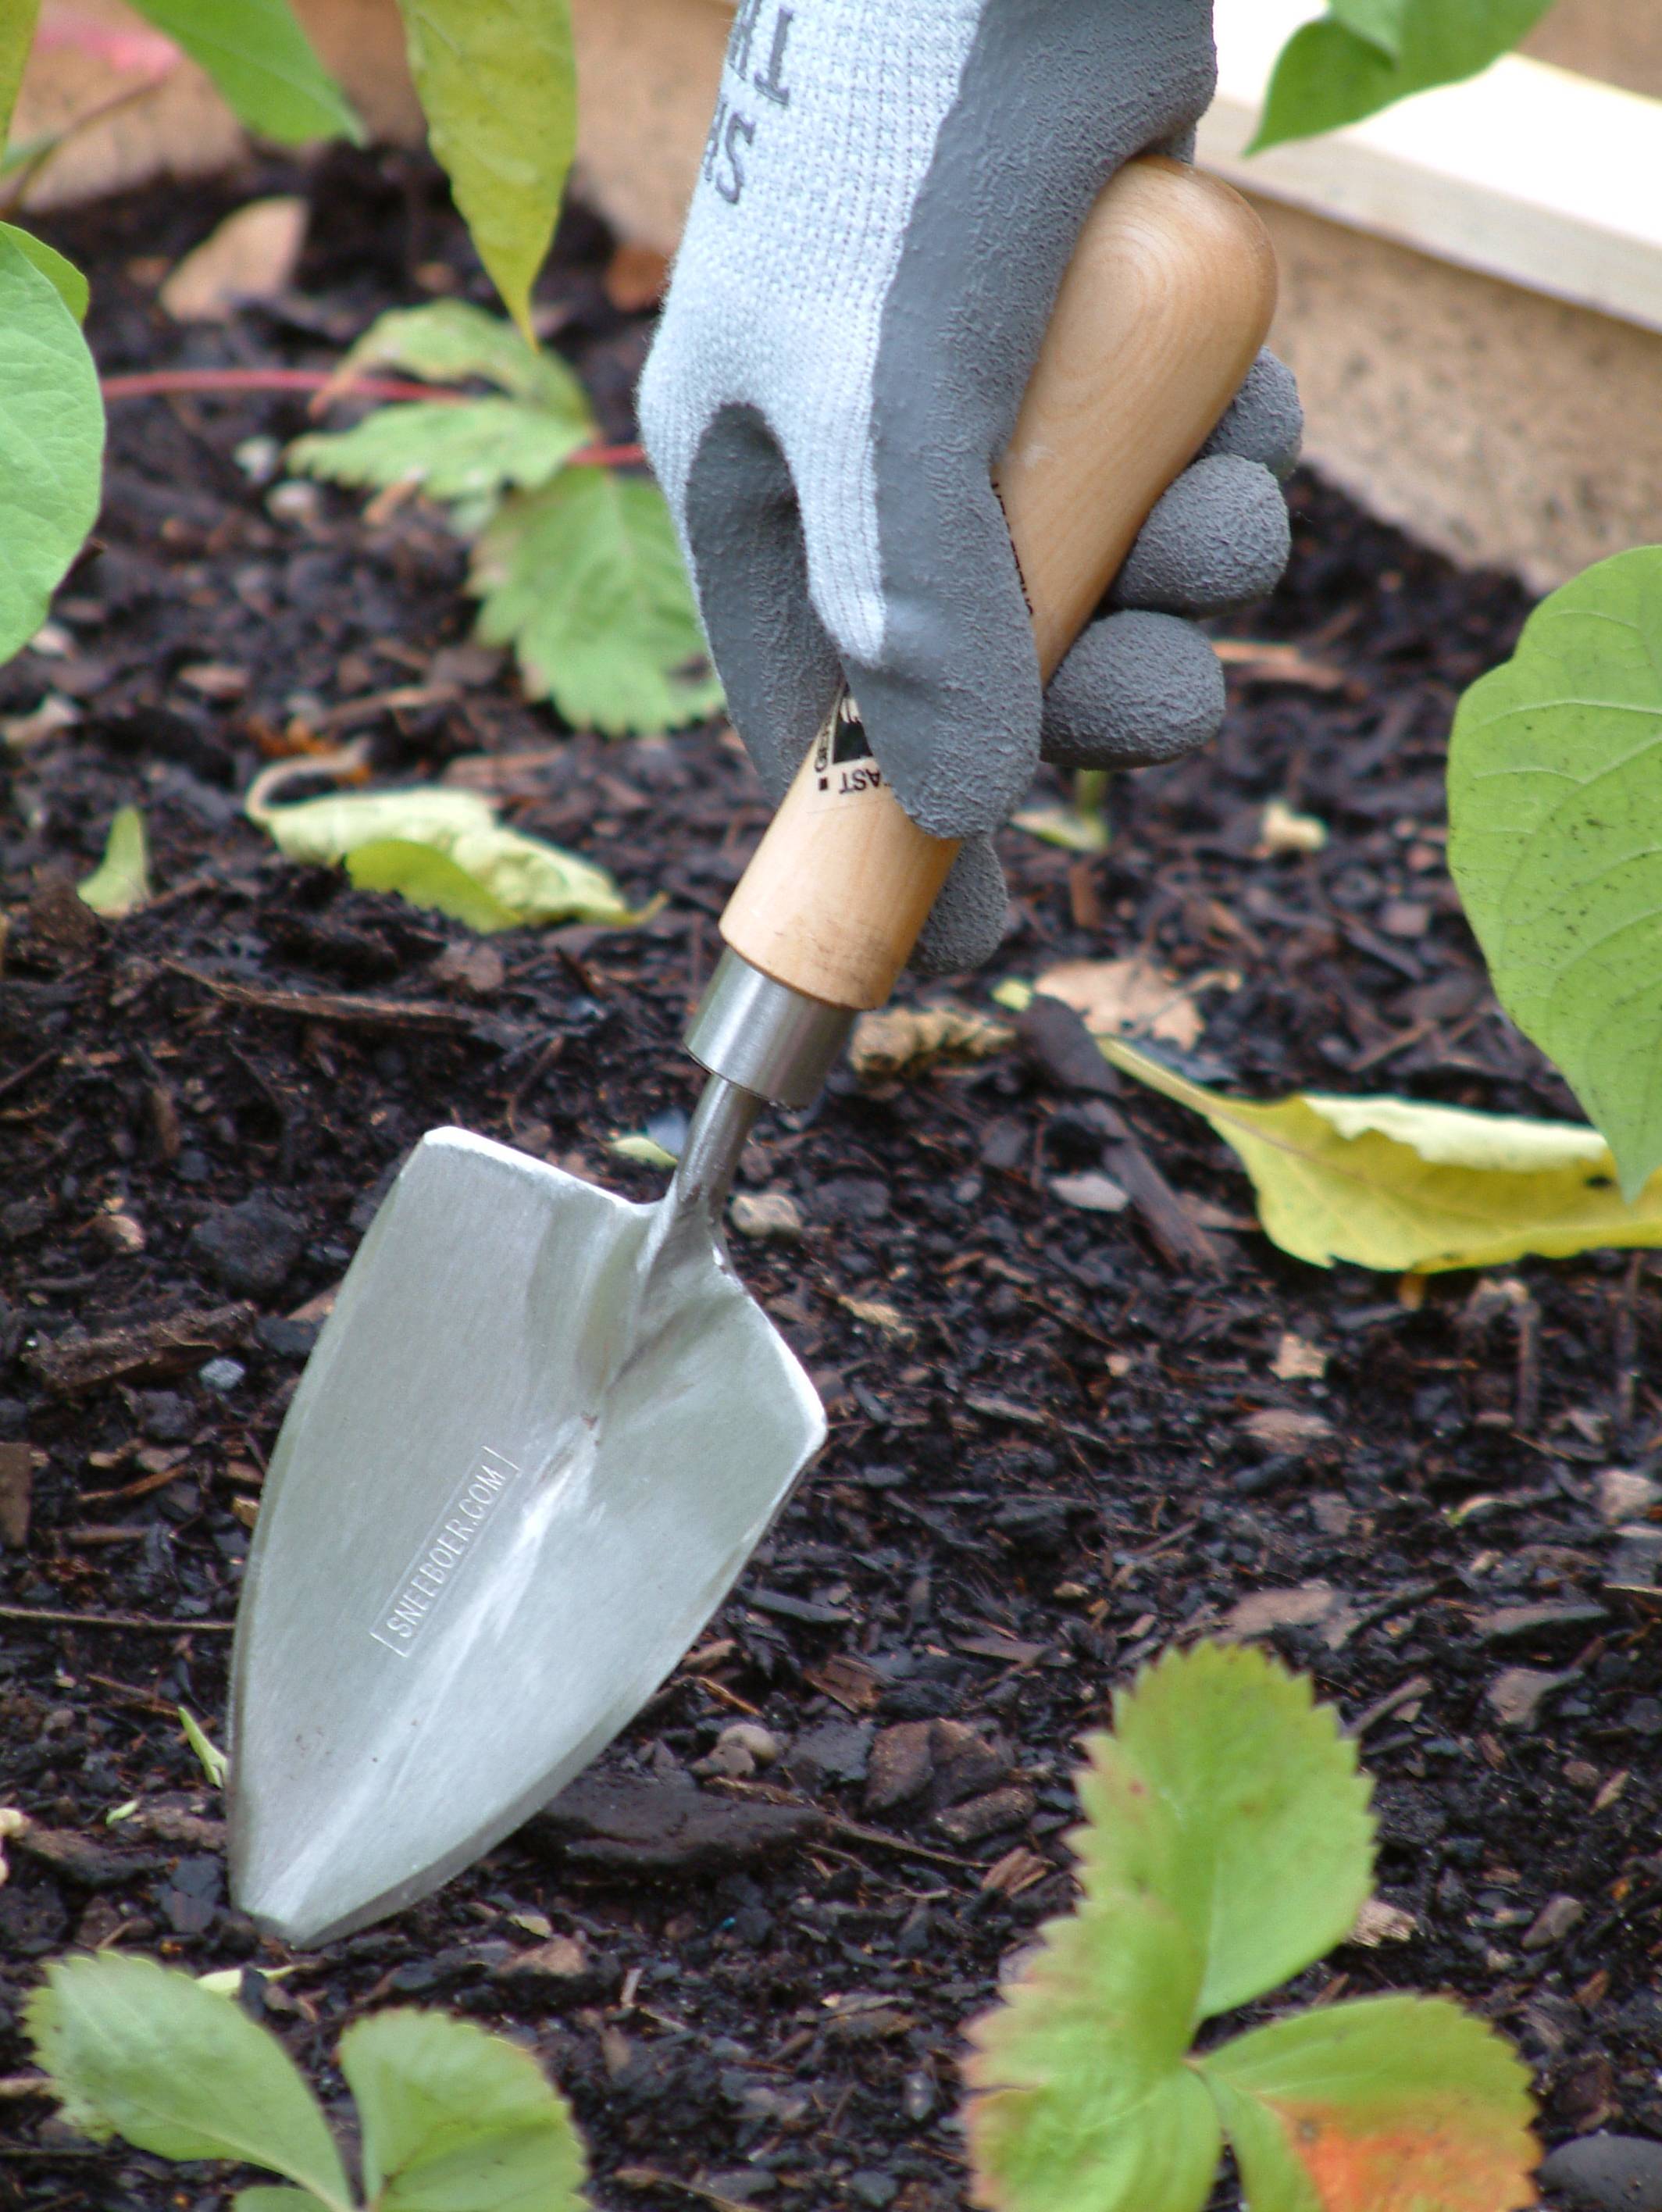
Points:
(1070, 1447)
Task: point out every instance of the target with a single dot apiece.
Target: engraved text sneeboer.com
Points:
(443, 1552)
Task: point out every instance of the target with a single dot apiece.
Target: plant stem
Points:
(162, 383)
(1090, 794)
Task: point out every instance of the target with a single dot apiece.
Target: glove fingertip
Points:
(965, 925)
(1264, 421)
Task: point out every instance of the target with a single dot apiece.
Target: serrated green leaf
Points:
(448, 341)
(1081, 2096)
(1391, 2105)
(51, 444)
(584, 580)
(66, 280)
(1393, 1184)
(457, 2120)
(428, 878)
(1336, 71)
(17, 20)
(468, 451)
(120, 884)
(1228, 1794)
(137, 2050)
(497, 85)
(1555, 798)
(263, 62)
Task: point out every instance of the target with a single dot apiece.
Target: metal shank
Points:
(765, 1037)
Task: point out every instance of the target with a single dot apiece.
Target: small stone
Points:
(876, 2189)
(987, 1815)
(1624, 1496)
(1556, 1918)
(221, 1375)
(1644, 1716)
(1280, 1428)
(1606, 2174)
(769, 1216)
(760, 1744)
(1093, 1192)
(1297, 1360)
(1404, 918)
(476, 970)
(1333, 1515)
(1267, 1609)
(250, 1247)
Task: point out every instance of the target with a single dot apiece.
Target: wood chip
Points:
(251, 256)
(1517, 1692)
(17, 1491)
(1297, 1360)
(1017, 1870)
(72, 1367)
(1269, 1609)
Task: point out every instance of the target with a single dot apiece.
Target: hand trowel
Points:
(544, 1427)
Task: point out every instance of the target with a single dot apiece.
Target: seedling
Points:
(575, 564)
(448, 2114)
(1227, 1846)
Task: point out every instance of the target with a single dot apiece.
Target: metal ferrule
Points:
(763, 1036)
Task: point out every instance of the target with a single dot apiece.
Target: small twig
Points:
(24, 2085)
(901, 1844)
(332, 1005)
(47, 1617)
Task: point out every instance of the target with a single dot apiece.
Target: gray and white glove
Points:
(891, 191)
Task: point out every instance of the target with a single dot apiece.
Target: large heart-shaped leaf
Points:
(1555, 796)
(51, 442)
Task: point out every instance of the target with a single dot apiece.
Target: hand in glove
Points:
(891, 192)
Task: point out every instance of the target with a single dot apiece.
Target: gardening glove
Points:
(891, 191)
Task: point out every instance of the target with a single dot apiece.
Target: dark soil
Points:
(1053, 1472)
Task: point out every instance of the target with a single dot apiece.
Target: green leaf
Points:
(1555, 798)
(273, 2200)
(17, 20)
(457, 2120)
(428, 878)
(584, 580)
(1391, 2105)
(64, 277)
(499, 86)
(1228, 1794)
(52, 443)
(1393, 1184)
(469, 451)
(1082, 2097)
(1070, 827)
(448, 341)
(210, 1757)
(137, 2051)
(1357, 59)
(1380, 22)
(120, 884)
(488, 877)
(263, 64)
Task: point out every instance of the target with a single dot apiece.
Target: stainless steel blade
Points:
(540, 1435)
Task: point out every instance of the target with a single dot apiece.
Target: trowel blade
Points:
(507, 1495)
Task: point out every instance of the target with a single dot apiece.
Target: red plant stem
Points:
(160, 383)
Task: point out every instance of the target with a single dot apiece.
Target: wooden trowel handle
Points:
(1161, 313)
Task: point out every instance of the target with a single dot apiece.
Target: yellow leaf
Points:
(1393, 1184)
